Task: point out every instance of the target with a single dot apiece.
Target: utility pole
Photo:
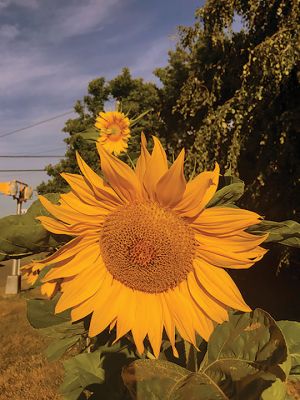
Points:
(22, 192)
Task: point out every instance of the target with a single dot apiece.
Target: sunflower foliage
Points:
(249, 356)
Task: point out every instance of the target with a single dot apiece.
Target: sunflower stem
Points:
(150, 355)
(191, 357)
(130, 160)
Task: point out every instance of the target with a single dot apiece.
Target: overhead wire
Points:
(35, 124)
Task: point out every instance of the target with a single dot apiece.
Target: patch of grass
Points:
(25, 373)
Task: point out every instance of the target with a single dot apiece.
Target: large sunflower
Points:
(147, 254)
(114, 131)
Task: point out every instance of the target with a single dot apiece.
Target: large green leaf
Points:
(291, 332)
(249, 351)
(40, 313)
(285, 232)
(227, 195)
(23, 235)
(65, 335)
(56, 349)
(152, 379)
(82, 371)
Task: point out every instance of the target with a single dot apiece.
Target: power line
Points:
(21, 170)
(36, 124)
(29, 156)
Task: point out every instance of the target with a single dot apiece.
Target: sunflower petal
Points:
(105, 193)
(106, 309)
(140, 328)
(156, 167)
(143, 159)
(198, 193)
(220, 285)
(126, 312)
(120, 176)
(224, 221)
(209, 305)
(180, 309)
(80, 288)
(81, 188)
(155, 328)
(171, 186)
(76, 265)
(169, 324)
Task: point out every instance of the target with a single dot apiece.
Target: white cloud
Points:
(81, 19)
(8, 32)
(156, 55)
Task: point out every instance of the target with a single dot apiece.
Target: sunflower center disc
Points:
(146, 247)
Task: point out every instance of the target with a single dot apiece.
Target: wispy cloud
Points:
(8, 32)
(21, 3)
(82, 18)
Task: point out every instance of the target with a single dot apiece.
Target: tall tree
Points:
(230, 96)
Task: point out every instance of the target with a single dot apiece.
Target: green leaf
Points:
(249, 351)
(56, 349)
(253, 337)
(152, 379)
(196, 386)
(23, 235)
(227, 195)
(81, 371)
(40, 313)
(91, 134)
(291, 332)
(277, 391)
(239, 379)
(285, 232)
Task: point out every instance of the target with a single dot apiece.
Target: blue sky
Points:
(51, 49)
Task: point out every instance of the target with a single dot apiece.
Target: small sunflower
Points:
(114, 131)
(147, 255)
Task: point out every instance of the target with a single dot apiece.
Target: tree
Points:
(135, 97)
(231, 97)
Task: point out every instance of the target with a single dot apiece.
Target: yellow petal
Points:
(140, 328)
(106, 309)
(59, 212)
(224, 221)
(120, 176)
(198, 193)
(55, 226)
(126, 312)
(80, 288)
(180, 309)
(143, 159)
(171, 186)
(239, 242)
(202, 323)
(48, 288)
(220, 285)
(104, 193)
(154, 311)
(156, 167)
(82, 260)
(81, 188)
(72, 201)
(169, 324)
(209, 305)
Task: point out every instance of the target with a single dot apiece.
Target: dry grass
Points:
(25, 374)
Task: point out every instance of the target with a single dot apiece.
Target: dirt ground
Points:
(25, 374)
